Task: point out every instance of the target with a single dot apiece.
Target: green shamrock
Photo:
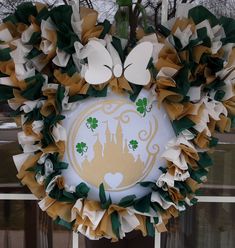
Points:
(133, 144)
(142, 106)
(81, 148)
(92, 123)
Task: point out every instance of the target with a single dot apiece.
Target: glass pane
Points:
(61, 237)
(204, 225)
(221, 178)
(12, 222)
(8, 170)
(8, 147)
(24, 225)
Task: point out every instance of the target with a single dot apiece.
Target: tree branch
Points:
(133, 20)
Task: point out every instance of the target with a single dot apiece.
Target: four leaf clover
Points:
(81, 148)
(92, 123)
(142, 106)
(133, 144)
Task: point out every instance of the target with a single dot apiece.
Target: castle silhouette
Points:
(112, 157)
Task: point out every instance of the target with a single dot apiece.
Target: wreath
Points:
(50, 67)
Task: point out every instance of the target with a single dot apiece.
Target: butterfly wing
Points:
(135, 66)
(99, 63)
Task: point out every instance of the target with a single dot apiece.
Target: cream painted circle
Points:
(109, 141)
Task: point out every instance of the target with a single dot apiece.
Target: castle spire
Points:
(98, 148)
(119, 135)
(138, 159)
(107, 133)
(125, 150)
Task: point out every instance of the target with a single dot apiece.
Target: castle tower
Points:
(125, 150)
(98, 148)
(107, 134)
(119, 135)
(109, 145)
(113, 138)
(85, 162)
(138, 160)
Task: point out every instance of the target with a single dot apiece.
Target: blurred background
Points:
(108, 8)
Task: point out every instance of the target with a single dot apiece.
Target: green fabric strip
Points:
(150, 227)
(43, 15)
(82, 190)
(78, 97)
(219, 95)
(34, 85)
(200, 13)
(6, 93)
(116, 42)
(213, 142)
(10, 18)
(5, 54)
(229, 28)
(105, 203)
(143, 204)
(182, 124)
(33, 115)
(97, 93)
(66, 37)
(182, 81)
(124, 2)
(49, 122)
(35, 38)
(115, 223)
(59, 97)
(127, 201)
(197, 175)
(33, 53)
(107, 26)
(64, 223)
(204, 160)
(24, 11)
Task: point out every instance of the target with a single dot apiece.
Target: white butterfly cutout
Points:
(104, 63)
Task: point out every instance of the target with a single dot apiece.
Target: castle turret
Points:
(125, 150)
(107, 134)
(98, 148)
(119, 135)
(138, 159)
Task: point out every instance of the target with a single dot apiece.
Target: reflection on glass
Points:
(61, 237)
(8, 170)
(12, 224)
(24, 225)
(8, 147)
(206, 225)
(221, 178)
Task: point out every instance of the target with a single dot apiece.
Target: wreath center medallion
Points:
(111, 138)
